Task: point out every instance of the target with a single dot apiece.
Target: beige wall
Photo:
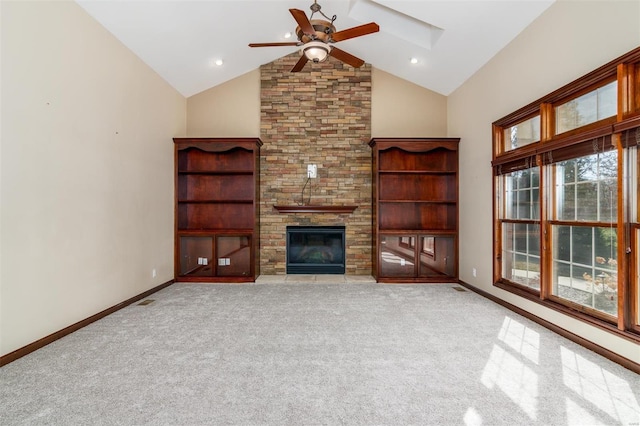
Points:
(86, 196)
(231, 109)
(567, 41)
(402, 109)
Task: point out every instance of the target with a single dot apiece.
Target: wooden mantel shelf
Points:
(315, 209)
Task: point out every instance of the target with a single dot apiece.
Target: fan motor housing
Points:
(324, 29)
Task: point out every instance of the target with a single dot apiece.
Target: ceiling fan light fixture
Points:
(317, 36)
(316, 51)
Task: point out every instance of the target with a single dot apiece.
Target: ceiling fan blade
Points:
(287, 43)
(300, 64)
(303, 21)
(358, 31)
(345, 57)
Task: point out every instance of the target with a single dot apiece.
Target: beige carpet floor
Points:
(305, 352)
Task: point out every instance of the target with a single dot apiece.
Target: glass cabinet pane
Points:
(437, 255)
(233, 255)
(397, 256)
(196, 254)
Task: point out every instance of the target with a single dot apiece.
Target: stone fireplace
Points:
(322, 116)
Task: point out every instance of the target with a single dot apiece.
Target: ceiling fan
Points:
(317, 36)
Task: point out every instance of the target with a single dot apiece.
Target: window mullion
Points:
(547, 122)
(624, 254)
(546, 194)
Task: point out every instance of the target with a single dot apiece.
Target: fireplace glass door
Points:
(315, 250)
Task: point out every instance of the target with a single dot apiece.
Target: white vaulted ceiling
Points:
(181, 39)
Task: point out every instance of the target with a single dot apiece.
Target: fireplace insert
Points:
(315, 250)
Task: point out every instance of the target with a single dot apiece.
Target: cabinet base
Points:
(215, 280)
(419, 280)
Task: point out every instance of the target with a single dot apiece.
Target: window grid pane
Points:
(585, 269)
(522, 194)
(522, 134)
(521, 254)
(588, 108)
(587, 188)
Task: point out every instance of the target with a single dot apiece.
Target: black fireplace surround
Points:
(315, 250)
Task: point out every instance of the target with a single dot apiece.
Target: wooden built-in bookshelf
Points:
(216, 218)
(415, 215)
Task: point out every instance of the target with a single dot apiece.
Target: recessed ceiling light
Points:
(413, 60)
(218, 62)
(287, 35)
